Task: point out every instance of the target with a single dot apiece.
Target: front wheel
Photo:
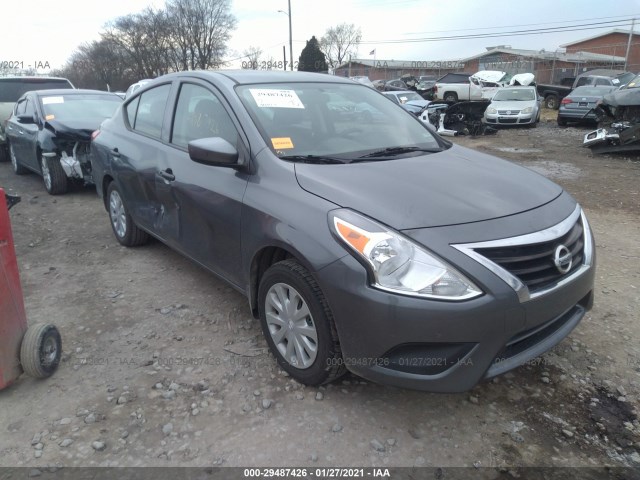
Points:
(54, 176)
(124, 228)
(40, 350)
(18, 169)
(298, 324)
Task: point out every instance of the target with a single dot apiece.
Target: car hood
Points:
(623, 98)
(73, 129)
(418, 103)
(515, 105)
(452, 187)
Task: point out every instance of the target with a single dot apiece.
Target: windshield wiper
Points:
(393, 151)
(314, 159)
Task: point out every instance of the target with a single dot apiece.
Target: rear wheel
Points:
(15, 163)
(450, 97)
(54, 176)
(562, 121)
(4, 153)
(298, 324)
(125, 230)
(551, 102)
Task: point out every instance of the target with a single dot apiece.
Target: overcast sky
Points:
(47, 31)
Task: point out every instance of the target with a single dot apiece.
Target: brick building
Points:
(610, 43)
(606, 50)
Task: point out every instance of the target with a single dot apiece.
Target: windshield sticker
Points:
(50, 100)
(270, 98)
(282, 143)
(615, 81)
(49, 117)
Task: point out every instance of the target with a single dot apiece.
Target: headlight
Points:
(397, 264)
(527, 110)
(491, 110)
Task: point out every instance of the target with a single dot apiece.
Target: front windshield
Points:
(335, 120)
(405, 97)
(635, 83)
(85, 107)
(514, 95)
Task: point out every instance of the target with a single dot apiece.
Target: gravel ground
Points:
(163, 364)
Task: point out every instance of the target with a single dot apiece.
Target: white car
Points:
(514, 106)
(135, 87)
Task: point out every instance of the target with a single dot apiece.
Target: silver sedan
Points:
(514, 106)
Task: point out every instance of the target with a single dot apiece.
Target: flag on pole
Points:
(372, 52)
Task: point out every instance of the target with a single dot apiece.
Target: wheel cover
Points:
(49, 351)
(46, 174)
(291, 325)
(117, 214)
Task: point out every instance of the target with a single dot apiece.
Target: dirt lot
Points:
(164, 365)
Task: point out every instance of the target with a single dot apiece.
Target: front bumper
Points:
(520, 119)
(444, 346)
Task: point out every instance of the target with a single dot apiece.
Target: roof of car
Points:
(25, 77)
(602, 72)
(69, 91)
(265, 76)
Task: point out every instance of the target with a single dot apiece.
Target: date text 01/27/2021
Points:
(324, 472)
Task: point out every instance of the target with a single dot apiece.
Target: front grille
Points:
(533, 264)
(508, 120)
(508, 112)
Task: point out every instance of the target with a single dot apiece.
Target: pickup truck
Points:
(455, 87)
(552, 94)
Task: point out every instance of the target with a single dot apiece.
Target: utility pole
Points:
(626, 57)
(291, 38)
(284, 55)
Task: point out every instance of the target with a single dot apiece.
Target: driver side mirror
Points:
(214, 151)
(26, 119)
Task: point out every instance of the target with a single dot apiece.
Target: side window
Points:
(131, 110)
(199, 114)
(30, 108)
(150, 112)
(582, 81)
(21, 106)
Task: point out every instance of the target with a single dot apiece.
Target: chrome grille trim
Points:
(541, 236)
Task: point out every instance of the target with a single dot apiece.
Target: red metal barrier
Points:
(13, 320)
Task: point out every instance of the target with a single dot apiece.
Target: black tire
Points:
(17, 167)
(562, 121)
(551, 102)
(327, 365)
(123, 226)
(40, 350)
(450, 97)
(54, 177)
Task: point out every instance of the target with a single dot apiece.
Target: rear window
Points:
(11, 89)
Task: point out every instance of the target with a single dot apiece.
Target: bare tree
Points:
(252, 54)
(339, 42)
(201, 29)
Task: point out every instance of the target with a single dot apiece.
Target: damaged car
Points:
(619, 116)
(462, 118)
(49, 133)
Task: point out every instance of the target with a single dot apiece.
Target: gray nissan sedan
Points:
(375, 247)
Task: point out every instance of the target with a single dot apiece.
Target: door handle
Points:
(115, 153)
(167, 175)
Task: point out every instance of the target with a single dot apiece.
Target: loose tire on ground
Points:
(41, 350)
(289, 298)
(123, 226)
(54, 177)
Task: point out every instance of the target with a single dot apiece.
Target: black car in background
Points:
(49, 133)
(374, 246)
(12, 88)
(579, 106)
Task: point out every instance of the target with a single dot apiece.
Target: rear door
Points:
(137, 154)
(29, 133)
